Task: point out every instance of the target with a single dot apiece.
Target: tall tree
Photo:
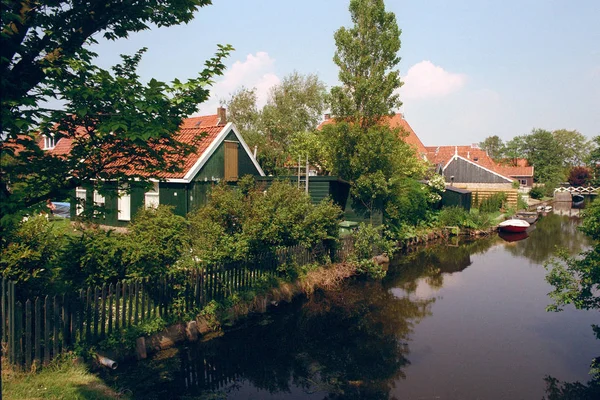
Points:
(109, 115)
(543, 153)
(494, 146)
(362, 147)
(574, 145)
(514, 149)
(594, 160)
(367, 55)
(293, 106)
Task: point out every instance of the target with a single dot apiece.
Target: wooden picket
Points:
(36, 331)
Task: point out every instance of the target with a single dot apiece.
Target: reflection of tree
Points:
(432, 262)
(551, 231)
(350, 343)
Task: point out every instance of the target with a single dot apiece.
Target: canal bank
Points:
(460, 321)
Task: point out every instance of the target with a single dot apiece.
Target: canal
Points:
(464, 320)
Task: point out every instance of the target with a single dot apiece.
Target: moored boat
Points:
(530, 217)
(514, 225)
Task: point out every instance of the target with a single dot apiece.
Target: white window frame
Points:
(124, 204)
(152, 197)
(80, 195)
(49, 142)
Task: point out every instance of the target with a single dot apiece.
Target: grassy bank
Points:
(62, 380)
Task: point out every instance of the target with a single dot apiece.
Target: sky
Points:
(471, 68)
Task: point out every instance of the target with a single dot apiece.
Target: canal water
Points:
(464, 320)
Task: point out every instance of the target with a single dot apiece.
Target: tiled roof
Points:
(441, 155)
(188, 133)
(396, 121)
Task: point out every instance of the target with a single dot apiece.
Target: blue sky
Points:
(472, 68)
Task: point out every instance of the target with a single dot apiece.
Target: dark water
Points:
(465, 321)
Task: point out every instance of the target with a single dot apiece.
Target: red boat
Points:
(513, 225)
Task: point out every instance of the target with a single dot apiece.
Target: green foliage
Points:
(494, 146)
(30, 253)
(409, 204)
(493, 203)
(157, 239)
(238, 225)
(368, 242)
(124, 339)
(294, 108)
(458, 216)
(109, 114)
(367, 54)
(537, 192)
(211, 314)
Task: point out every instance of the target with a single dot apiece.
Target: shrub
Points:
(369, 241)
(157, 239)
(493, 203)
(579, 176)
(537, 192)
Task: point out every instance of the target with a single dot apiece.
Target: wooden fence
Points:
(34, 331)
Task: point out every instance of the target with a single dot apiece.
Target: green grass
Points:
(60, 381)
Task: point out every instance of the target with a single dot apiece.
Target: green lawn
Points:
(61, 381)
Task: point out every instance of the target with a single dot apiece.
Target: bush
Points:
(240, 224)
(493, 203)
(368, 242)
(537, 192)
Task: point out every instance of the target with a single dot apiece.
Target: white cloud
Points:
(256, 71)
(425, 80)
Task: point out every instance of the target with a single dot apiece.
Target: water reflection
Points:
(452, 321)
(552, 231)
(350, 343)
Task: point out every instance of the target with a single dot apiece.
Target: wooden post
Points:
(137, 302)
(19, 334)
(64, 324)
(81, 315)
(47, 324)
(103, 313)
(110, 308)
(28, 348)
(56, 327)
(117, 304)
(96, 312)
(124, 312)
(38, 329)
(4, 313)
(88, 316)
(130, 305)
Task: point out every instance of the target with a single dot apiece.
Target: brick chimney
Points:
(222, 116)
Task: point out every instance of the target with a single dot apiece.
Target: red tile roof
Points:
(443, 154)
(188, 133)
(396, 121)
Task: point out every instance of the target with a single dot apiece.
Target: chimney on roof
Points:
(469, 155)
(222, 116)
(327, 116)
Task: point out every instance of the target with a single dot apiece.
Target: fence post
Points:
(110, 308)
(47, 319)
(56, 326)
(96, 312)
(3, 312)
(117, 304)
(124, 311)
(88, 316)
(28, 349)
(19, 334)
(103, 313)
(38, 329)
(137, 302)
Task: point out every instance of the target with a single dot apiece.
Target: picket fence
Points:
(34, 331)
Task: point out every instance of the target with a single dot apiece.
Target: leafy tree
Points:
(574, 146)
(546, 157)
(576, 281)
(514, 149)
(579, 176)
(366, 55)
(594, 160)
(361, 147)
(494, 146)
(293, 106)
(110, 116)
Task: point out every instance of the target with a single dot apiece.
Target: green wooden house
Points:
(222, 154)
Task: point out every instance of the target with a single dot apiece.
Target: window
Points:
(49, 142)
(80, 195)
(151, 198)
(231, 161)
(124, 204)
(98, 199)
(524, 182)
